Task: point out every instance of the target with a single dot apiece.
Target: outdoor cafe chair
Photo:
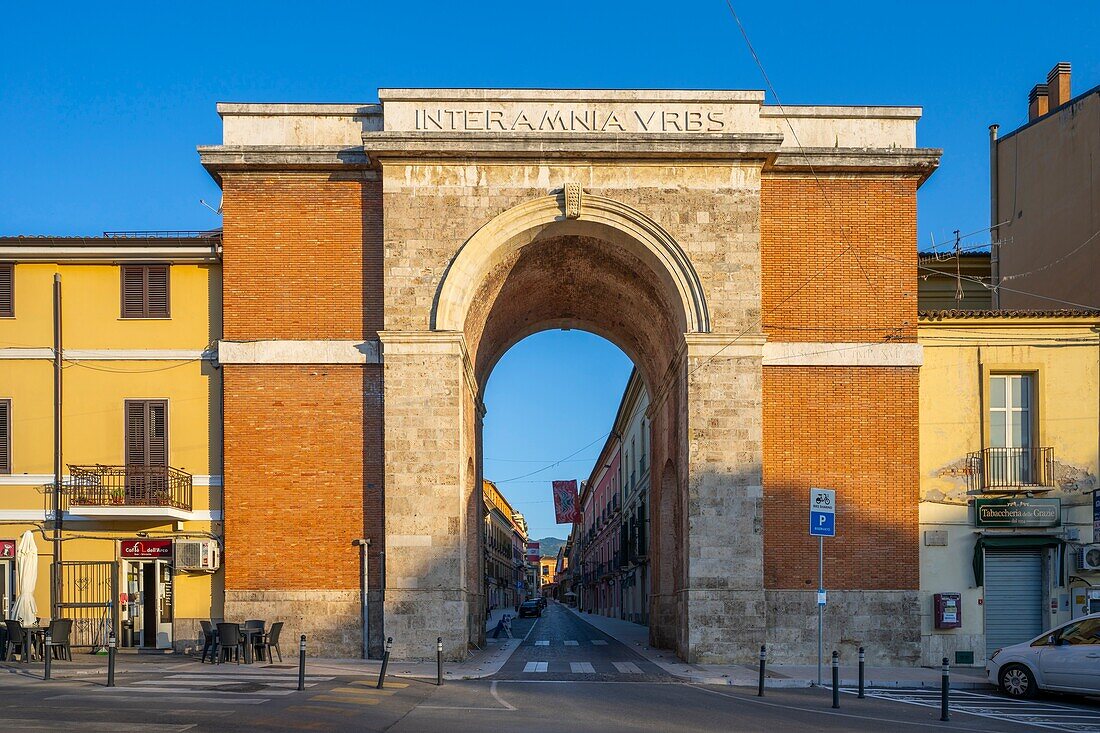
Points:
(17, 640)
(230, 642)
(209, 641)
(270, 641)
(60, 632)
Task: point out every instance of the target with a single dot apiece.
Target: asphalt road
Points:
(610, 698)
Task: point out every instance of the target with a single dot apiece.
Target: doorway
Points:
(147, 612)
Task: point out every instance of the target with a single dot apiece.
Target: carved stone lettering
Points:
(562, 118)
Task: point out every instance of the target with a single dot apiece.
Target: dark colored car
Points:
(530, 608)
(542, 601)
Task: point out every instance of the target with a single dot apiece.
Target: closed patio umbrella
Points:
(25, 609)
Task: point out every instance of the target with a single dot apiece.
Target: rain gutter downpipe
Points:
(364, 560)
(55, 576)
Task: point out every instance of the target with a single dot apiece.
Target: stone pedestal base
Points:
(330, 619)
(885, 622)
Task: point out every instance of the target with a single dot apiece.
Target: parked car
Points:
(1065, 659)
(530, 608)
(542, 601)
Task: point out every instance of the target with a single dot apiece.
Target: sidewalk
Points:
(778, 675)
(480, 663)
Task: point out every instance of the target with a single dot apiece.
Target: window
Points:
(145, 291)
(1011, 424)
(7, 290)
(146, 432)
(5, 436)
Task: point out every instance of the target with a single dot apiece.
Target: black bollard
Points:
(48, 655)
(861, 695)
(302, 663)
(112, 646)
(385, 663)
(945, 685)
(836, 679)
(439, 661)
(763, 661)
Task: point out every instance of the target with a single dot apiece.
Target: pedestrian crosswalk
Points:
(582, 667)
(570, 642)
(1041, 714)
(214, 687)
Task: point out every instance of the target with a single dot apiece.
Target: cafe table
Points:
(33, 638)
(248, 635)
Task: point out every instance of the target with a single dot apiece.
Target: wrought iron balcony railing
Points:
(129, 486)
(1010, 469)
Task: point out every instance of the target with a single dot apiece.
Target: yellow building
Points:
(1009, 434)
(505, 542)
(547, 570)
(140, 449)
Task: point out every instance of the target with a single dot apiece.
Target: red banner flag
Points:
(565, 502)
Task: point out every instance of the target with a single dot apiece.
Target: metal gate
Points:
(86, 593)
(1013, 597)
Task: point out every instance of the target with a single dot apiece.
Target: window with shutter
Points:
(7, 290)
(146, 450)
(145, 291)
(5, 436)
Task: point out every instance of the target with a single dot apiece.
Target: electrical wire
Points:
(555, 463)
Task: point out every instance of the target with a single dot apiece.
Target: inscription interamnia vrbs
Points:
(585, 119)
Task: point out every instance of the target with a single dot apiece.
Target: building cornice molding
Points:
(287, 351)
(32, 250)
(46, 352)
(592, 146)
(825, 354)
(921, 162)
(218, 159)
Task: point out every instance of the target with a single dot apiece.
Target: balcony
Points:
(129, 492)
(1010, 470)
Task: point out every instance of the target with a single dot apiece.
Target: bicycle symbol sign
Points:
(822, 512)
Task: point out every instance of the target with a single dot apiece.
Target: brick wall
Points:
(303, 475)
(867, 294)
(853, 430)
(302, 256)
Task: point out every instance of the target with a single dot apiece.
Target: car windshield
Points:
(530, 603)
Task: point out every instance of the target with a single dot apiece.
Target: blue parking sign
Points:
(822, 524)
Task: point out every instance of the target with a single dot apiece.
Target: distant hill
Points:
(549, 546)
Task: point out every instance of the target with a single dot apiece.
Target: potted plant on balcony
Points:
(116, 495)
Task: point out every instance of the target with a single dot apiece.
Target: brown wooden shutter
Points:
(156, 291)
(133, 291)
(5, 436)
(7, 290)
(135, 432)
(156, 427)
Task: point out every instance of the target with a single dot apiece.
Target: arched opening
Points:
(611, 272)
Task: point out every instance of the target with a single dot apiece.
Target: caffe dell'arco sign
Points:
(1012, 513)
(143, 549)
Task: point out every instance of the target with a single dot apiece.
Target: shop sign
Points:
(7, 549)
(1096, 516)
(1017, 512)
(146, 549)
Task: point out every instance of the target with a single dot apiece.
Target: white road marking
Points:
(497, 697)
(984, 705)
(581, 668)
(145, 700)
(188, 691)
(542, 642)
(599, 642)
(627, 667)
(536, 666)
(571, 642)
(91, 726)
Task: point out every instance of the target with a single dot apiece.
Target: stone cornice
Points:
(286, 351)
(591, 146)
(221, 158)
(918, 161)
(33, 249)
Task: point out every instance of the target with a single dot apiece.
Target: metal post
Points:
(302, 663)
(364, 564)
(385, 663)
(945, 686)
(763, 660)
(439, 661)
(820, 609)
(46, 653)
(55, 505)
(861, 658)
(836, 679)
(112, 647)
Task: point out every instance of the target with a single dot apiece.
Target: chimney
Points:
(1058, 85)
(1037, 102)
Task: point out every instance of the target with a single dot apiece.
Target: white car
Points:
(1065, 659)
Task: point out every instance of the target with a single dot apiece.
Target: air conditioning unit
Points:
(1088, 557)
(201, 555)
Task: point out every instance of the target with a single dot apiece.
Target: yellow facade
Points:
(108, 360)
(1059, 353)
(505, 538)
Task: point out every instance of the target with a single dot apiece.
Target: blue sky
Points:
(102, 105)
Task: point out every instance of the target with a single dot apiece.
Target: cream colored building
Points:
(1009, 435)
(141, 501)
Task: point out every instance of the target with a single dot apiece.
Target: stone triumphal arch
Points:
(379, 259)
